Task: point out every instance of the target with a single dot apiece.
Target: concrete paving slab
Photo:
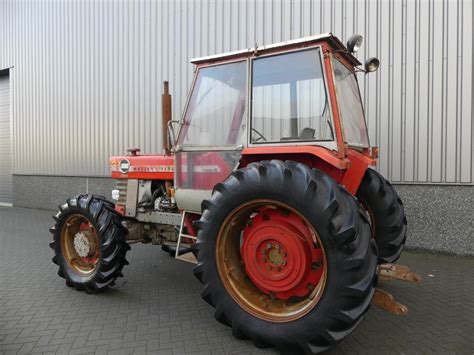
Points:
(157, 306)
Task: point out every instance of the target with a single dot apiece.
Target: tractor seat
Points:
(306, 134)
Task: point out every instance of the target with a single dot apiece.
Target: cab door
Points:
(212, 133)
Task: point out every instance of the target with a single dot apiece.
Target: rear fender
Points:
(315, 157)
(348, 171)
(354, 174)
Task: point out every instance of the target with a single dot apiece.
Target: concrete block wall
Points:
(440, 218)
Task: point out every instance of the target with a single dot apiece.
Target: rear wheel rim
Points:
(80, 245)
(271, 260)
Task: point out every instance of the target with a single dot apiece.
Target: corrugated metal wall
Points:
(87, 75)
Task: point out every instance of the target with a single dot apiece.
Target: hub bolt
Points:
(269, 245)
(277, 246)
(283, 263)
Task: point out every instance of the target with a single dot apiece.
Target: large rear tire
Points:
(270, 208)
(387, 215)
(89, 243)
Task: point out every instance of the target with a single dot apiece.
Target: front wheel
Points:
(286, 257)
(89, 243)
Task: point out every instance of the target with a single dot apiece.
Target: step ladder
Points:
(188, 257)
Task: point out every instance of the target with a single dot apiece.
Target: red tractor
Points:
(268, 187)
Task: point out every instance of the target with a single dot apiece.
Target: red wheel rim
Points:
(280, 255)
(271, 260)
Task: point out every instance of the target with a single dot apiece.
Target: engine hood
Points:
(143, 167)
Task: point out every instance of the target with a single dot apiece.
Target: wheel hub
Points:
(280, 254)
(276, 256)
(82, 244)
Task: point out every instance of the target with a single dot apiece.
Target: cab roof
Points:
(329, 38)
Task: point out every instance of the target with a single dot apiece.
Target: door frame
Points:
(3, 73)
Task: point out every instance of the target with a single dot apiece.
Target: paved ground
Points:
(156, 307)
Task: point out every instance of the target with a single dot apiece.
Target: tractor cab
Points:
(293, 97)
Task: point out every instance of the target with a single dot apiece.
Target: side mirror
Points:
(372, 64)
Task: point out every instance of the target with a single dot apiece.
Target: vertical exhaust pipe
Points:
(165, 115)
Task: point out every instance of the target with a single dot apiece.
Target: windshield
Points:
(289, 100)
(216, 108)
(350, 106)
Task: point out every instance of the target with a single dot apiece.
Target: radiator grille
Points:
(122, 187)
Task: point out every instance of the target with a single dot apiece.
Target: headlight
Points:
(124, 166)
(115, 195)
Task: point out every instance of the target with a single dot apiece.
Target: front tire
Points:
(89, 243)
(259, 304)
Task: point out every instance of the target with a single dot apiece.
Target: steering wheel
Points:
(260, 136)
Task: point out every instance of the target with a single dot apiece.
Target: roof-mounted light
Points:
(354, 43)
(372, 64)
